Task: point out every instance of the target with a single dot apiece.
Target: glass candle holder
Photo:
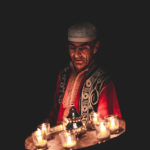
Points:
(45, 129)
(113, 123)
(68, 140)
(39, 139)
(94, 117)
(102, 132)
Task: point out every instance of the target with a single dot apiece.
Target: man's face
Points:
(81, 53)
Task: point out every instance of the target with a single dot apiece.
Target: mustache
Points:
(78, 59)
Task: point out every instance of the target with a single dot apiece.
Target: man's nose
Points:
(77, 53)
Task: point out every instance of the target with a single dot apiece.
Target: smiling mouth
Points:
(78, 62)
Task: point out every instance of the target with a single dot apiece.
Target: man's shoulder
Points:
(102, 71)
(99, 73)
(97, 70)
(65, 69)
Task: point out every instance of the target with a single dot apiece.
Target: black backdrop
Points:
(37, 37)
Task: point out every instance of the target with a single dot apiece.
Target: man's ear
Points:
(97, 45)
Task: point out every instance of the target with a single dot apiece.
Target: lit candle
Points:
(41, 141)
(69, 142)
(45, 128)
(39, 138)
(95, 118)
(113, 124)
(102, 131)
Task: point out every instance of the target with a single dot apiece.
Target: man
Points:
(83, 84)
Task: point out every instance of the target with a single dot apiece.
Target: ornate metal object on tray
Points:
(74, 123)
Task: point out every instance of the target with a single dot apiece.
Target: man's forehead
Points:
(79, 43)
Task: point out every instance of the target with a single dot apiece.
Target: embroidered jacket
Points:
(96, 92)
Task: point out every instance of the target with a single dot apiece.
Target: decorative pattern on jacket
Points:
(91, 90)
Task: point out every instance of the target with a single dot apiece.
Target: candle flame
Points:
(43, 127)
(40, 140)
(38, 132)
(102, 132)
(102, 126)
(94, 114)
(70, 142)
(95, 120)
(67, 134)
(113, 123)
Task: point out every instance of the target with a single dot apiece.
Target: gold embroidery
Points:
(71, 90)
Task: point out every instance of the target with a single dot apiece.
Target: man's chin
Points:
(79, 67)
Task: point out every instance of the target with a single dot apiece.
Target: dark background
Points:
(37, 51)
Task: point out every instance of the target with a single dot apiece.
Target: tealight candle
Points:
(113, 124)
(68, 140)
(45, 129)
(102, 131)
(38, 138)
(94, 118)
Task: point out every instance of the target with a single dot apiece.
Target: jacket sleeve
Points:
(108, 101)
(52, 117)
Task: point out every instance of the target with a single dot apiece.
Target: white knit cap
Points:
(83, 32)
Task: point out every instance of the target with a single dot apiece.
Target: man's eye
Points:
(71, 47)
(84, 48)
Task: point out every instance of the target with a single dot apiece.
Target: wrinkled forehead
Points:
(80, 43)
